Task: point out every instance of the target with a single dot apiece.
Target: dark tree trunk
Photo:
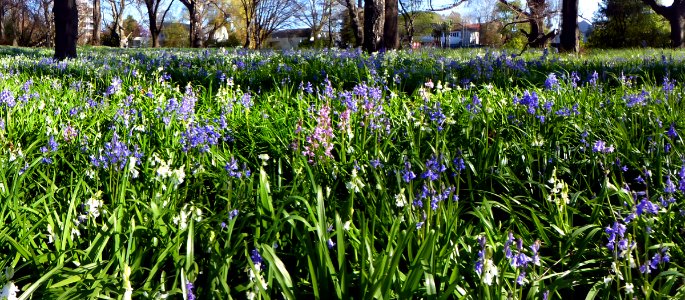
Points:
(66, 28)
(154, 30)
(569, 26)
(677, 22)
(97, 20)
(152, 12)
(374, 17)
(390, 35)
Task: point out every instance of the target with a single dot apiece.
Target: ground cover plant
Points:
(203, 174)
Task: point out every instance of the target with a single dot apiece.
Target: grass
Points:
(443, 174)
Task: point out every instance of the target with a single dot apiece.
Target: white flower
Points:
(177, 176)
(355, 184)
(51, 234)
(75, 232)
(629, 288)
(95, 204)
(490, 271)
(9, 291)
(607, 280)
(264, 158)
(163, 171)
(127, 283)
(346, 226)
(132, 166)
(400, 199)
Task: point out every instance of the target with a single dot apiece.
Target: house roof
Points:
(292, 33)
(470, 27)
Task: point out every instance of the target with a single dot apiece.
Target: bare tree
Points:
(675, 14)
(117, 8)
(315, 14)
(156, 17)
(535, 16)
(263, 17)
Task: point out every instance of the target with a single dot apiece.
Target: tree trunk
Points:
(2, 22)
(66, 28)
(353, 11)
(195, 27)
(374, 17)
(154, 30)
(390, 35)
(569, 26)
(97, 20)
(677, 22)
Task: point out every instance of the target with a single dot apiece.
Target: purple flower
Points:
(407, 174)
(647, 206)
(670, 186)
(256, 257)
(433, 168)
(200, 137)
(376, 163)
(114, 87)
(521, 279)
(7, 98)
(671, 132)
(330, 244)
(189, 289)
(551, 83)
(616, 234)
(232, 214)
(535, 247)
(601, 147)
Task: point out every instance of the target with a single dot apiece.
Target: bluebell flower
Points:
(646, 206)
(616, 234)
(256, 257)
(551, 83)
(669, 187)
(189, 290)
(592, 79)
(668, 85)
(521, 279)
(232, 214)
(7, 98)
(434, 167)
(114, 87)
(407, 174)
(375, 163)
(672, 132)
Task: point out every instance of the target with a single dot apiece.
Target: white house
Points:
(466, 35)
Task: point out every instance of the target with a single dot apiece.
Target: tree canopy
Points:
(628, 23)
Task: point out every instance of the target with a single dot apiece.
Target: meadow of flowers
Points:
(202, 174)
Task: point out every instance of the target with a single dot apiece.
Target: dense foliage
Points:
(220, 174)
(628, 23)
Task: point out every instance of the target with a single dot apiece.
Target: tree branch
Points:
(451, 6)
